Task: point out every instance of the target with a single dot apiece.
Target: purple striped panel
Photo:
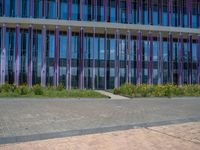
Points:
(69, 51)
(81, 4)
(81, 60)
(190, 59)
(128, 11)
(69, 9)
(128, 61)
(105, 4)
(139, 59)
(18, 8)
(198, 57)
(169, 12)
(16, 69)
(180, 59)
(117, 36)
(44, 8)
(43, 69)
(189, 8)
(139, 11)
(93, 60)
(117, 10)
(150, 56)
(56, 57)
(30, 62)
(31, 10)
(170, 63)
(105, 59)
(160, 58)
(3, 53)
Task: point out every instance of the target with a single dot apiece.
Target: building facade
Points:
(99, 44)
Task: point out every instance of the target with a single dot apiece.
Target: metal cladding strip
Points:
(190, 59)
(44, 8)
(198, 57)
(44, 43)
(56, 57)
(58, 9)
(93, 60)
(180, 12)
(3, 53)
(69, 9)
(117, 10)
(160, 58)
(170, 62)
(105, 4)
(180, 59)
(81, 9)
(30, 62)
(189, 8)
(139, 11)
(139, 58)
(149, 4)
(16, 69)
(81, 60)
(128, 61)
(69, 53)
(160, 8)
(117, 59)
(105, 59)
(31, 5)
(150, 56)
(128, 10)
(169, 12)
(18, 8)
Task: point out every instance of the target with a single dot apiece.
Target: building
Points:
(99, 44)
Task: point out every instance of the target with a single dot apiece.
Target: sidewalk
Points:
(111, 95)
(184, 136)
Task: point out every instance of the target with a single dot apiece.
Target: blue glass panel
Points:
(63, 9)
(51, 9)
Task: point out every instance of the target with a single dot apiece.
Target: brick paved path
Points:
(170, 137)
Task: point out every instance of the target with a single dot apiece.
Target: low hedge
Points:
(9, 90)
(167, 90)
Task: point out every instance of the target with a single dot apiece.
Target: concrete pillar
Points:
(3, 53)
(56, 58)
(160, 58)
(30, 61)
(44, 45)
(180, 59)
(17, 44)
(150, 58)
(69, 53)
(139, 58)
(117, 75)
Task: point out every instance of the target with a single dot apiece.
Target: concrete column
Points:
(56, 58)
(69, 53)
(93, 60)
(81, 60)
(105, 59)
(3, 53)
(44, 8)
(149, 4)
(169, 12)
(128, 61)
(16, 69)
(170, 56)
(160, 58)
(180, 59)
(30, 61)
(117, 76)
(31, 10)
(150, 58)
(69, 9)
(58, 9)
(198, 57)
(190, 59)
(139, 58)
(44, 44)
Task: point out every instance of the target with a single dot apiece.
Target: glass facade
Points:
(95, 58)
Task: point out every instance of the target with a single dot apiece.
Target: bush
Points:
(37, 89)
(60, 87)
(23, 90)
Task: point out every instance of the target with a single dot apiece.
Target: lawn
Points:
(8, 90)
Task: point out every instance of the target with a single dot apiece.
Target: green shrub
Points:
(23, 90)
(60, 87)
(37, 89)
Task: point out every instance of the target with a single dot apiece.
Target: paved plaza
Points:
(76, 120)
